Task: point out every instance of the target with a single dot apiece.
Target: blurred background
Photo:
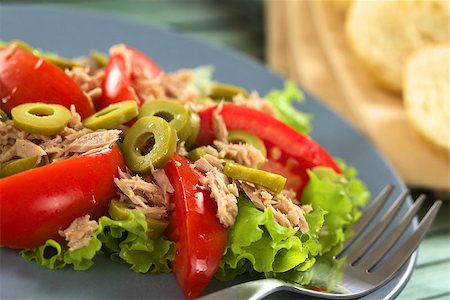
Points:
(305, 40)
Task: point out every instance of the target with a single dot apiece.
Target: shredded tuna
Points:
(161, 179)
(244, 154)
(93, 141)
(88, 80)
(255, 102)
(75, 119)
(285, 211)
(26, 148)
(181, 149)
(73, 140)
(218, 124)
(146, 196)
(224, 193)
(208, 162)
(79, 233)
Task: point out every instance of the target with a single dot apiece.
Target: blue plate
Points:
(74, 33)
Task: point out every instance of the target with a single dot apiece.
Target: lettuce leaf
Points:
(124, 240)
(341, 195)
(283, 101)
(257, 244)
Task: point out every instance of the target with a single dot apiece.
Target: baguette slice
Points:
(384, 33)
(427, 94)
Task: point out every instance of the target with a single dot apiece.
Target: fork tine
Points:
(367, 217)
(372, 236)
(394, 262)
(375, 255)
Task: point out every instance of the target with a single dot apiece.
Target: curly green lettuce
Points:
(258, 244)
(124, 240)
(284, 101)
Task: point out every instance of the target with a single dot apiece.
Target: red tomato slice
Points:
(35, 204)
(121, 74)
(199, 236)
(289, 153)
(26, 78)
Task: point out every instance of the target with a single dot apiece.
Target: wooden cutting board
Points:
(306, 41)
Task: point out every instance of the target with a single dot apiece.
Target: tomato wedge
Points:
(121, 74)
(289, 153)
(35, 204)
(25, 77)
(200, 238)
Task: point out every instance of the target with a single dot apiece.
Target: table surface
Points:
(239, 24)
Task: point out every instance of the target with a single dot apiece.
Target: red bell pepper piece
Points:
(289, 153)
(199, 236)
(35, 204)
(25, 77)
(121, 73)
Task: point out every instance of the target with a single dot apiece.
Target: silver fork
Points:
(370, 259)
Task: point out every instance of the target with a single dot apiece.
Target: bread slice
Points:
(427, 94)
(384, 33)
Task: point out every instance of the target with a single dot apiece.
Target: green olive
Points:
(113, 115)
(150, 142)
(100, 58)
(195, 129)
(197, 153)
(248, 138)
(176, 114)
(18, 165)
(61, 62)
(273, 182)
(40, 118)
(3, 116)
(118, 210)
(221, 91)
(155, 228)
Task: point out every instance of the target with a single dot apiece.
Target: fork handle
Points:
(251, 290)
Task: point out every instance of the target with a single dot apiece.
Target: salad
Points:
(166, 172)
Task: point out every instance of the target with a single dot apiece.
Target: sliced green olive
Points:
(273, 182)
(247, 137)
(118, 210)
(176, 114)
(194, 130)
(40, 118)
(51, 57)
(156, 228)
(197, 153)
(113, 115)
(59, 61)
(221, 91)
(3, 116)
(100, 58)
(18, 165)
(150, 142)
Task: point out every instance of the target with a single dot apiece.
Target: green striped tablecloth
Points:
(239, 24)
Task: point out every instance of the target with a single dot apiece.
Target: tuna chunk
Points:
(255, 102)
(222, 191)
(79, 233)
(244, 154)
(150, 198)
(285, 211)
